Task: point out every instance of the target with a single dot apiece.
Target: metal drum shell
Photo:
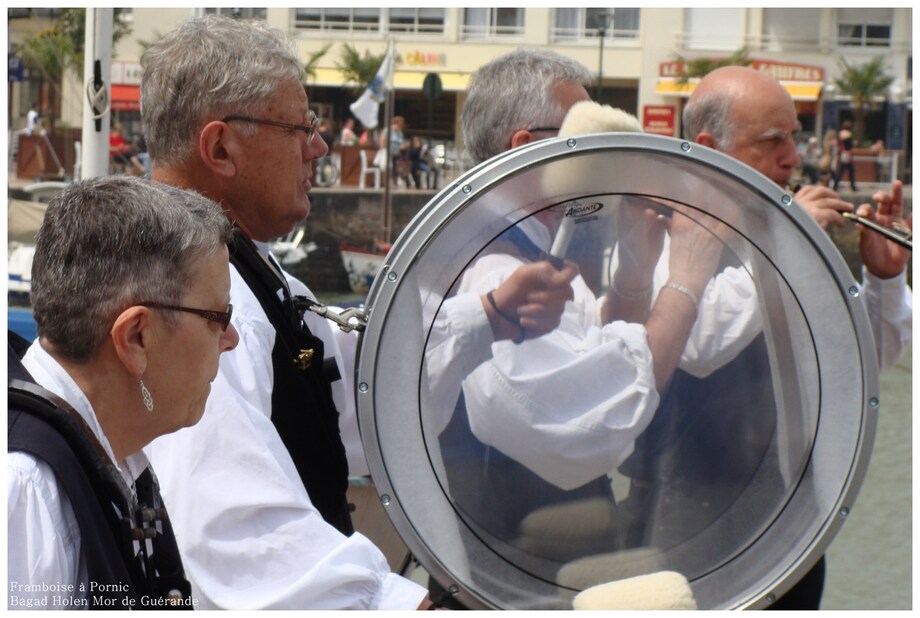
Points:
(464, 217)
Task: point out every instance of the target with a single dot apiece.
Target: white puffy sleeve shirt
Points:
(570, 404)
(460, 340)
(44, 541)
(891, 311)
(249, 536)
(729, 317)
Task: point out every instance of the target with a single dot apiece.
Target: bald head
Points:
(718, 103)
(748, 115)
(738, 82)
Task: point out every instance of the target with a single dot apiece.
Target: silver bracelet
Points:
(631, 295)
(686, 291)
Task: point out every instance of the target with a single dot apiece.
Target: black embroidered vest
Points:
(128, 544)
(303, 411)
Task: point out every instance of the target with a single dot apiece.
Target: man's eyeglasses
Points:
(545, 129)
(221, 317)
(310, 130)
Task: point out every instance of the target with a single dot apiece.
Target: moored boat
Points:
(362, 263)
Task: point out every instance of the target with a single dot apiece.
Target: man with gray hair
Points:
(519, 98)
(258, 490)
(523, 97)
(542, 423)
(265, 476)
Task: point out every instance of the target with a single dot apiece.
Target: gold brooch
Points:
(303, 359)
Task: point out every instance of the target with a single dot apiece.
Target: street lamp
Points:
(604, 21)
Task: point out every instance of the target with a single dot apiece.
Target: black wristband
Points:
(505, 316)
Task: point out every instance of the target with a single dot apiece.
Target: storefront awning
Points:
(403, 80)
(799, 91)
(669, 87)
(803, 91)
(126, 98)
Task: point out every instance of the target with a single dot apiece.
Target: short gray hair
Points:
(206, 69)
(108, 243)
(513, 92)
(710, 113)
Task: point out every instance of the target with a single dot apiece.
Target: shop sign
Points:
(670, 69)
(658, 119)
(415, 58)
(781, 71)
(127, 73)
(788, 72)
(15, 68)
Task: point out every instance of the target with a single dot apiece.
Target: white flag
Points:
(367, 107)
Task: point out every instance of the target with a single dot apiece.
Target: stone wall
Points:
(356, 218)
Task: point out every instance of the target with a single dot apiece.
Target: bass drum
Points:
(519, 474)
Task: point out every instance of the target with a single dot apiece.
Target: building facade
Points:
(635, 52)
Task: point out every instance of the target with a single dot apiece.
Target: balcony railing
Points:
(569, 35)
(490, 31)
(773, 42)
(416, 28)
(864, 41)
(337, 26)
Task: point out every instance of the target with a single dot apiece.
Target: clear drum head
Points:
(520, 473)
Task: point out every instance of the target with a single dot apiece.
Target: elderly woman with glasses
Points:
(130, 291)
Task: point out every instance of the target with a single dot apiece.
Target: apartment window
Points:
(18, 13)
(864, 35)
(713, 29)
(483, 23)
(579, 24)
(342, 20)
(864, 27)
(791, 28)
(239, 13)
(417, 21)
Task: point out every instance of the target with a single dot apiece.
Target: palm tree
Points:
(864, 84)
(52, 51)
(700, 67)
(359, 70)
(309, 67)
(49, 53)
(73, 24)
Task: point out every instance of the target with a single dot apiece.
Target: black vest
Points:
(707, 440)
(129, 546)
(303, 411)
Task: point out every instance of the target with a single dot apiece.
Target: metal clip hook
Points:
(348, 320)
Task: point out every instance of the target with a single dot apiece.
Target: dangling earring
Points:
(148, 398)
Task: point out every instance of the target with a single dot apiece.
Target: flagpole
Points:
(388, 114)
(97, 69)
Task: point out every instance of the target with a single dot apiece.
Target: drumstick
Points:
(588, 117)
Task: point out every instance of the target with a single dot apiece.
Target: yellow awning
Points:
(673, 88)
(803, 91)
(799, 91)
(405, 80)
